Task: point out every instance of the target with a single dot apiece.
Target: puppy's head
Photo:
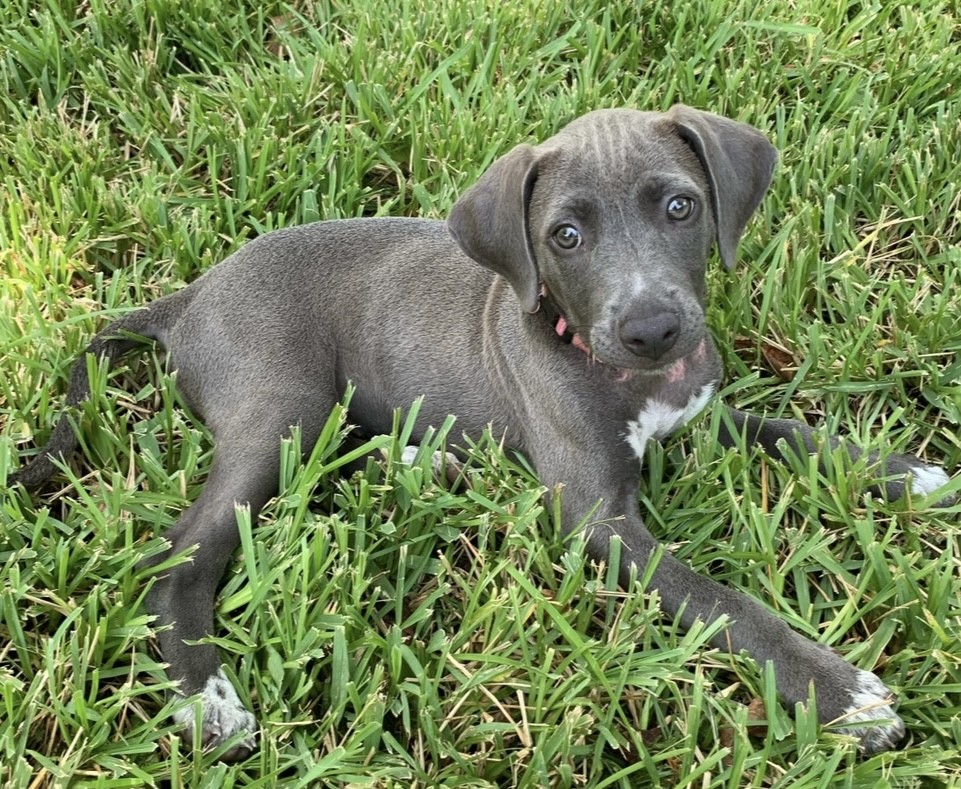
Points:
(613, 219)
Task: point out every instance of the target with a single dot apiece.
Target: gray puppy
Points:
(579, 337)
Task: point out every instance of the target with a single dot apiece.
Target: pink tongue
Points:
(561, 327)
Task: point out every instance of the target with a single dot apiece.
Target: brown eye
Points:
(567, 237)
(679, 207)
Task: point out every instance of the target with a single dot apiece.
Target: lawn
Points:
(387, 631)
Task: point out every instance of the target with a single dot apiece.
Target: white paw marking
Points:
(872, 701)
(658, 419)
(409, 455)
(927, 479)
(223, 714)
(439, 462)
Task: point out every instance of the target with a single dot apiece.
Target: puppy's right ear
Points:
(490, 222)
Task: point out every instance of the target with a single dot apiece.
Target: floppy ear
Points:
(739, 162)
(489, 222)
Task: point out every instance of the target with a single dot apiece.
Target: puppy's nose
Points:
(651, 336)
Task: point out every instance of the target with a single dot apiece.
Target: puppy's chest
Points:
(661, 416)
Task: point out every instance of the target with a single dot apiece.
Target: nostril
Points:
(650, 336)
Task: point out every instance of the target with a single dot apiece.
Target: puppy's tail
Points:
(118, 339)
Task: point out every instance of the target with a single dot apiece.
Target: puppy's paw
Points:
(925, 480)
(444, 465)
(905, 472)
(870, 715)
(223, 715)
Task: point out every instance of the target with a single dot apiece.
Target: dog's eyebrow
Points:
(655, 184)
(580, 206)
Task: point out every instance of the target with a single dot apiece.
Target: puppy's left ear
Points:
(489, 222)
(739, 162)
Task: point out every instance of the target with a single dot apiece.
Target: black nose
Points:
(651, 336)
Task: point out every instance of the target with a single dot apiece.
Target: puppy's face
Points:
(621, 226)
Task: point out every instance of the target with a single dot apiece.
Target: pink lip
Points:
(678, 370)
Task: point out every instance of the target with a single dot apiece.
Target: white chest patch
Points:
(658, 419)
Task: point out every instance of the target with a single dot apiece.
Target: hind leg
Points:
(898, 470)
(244, 472)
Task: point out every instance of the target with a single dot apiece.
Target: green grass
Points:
(389, 632)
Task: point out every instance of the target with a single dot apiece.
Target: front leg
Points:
(775, 436)
(844, 693)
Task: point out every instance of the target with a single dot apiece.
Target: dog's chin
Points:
(649, 370)
(672, 366)
(623, 369)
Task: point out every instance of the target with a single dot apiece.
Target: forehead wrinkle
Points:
(595, 144)
(599, 143)
(618, 141)
(626, 225)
